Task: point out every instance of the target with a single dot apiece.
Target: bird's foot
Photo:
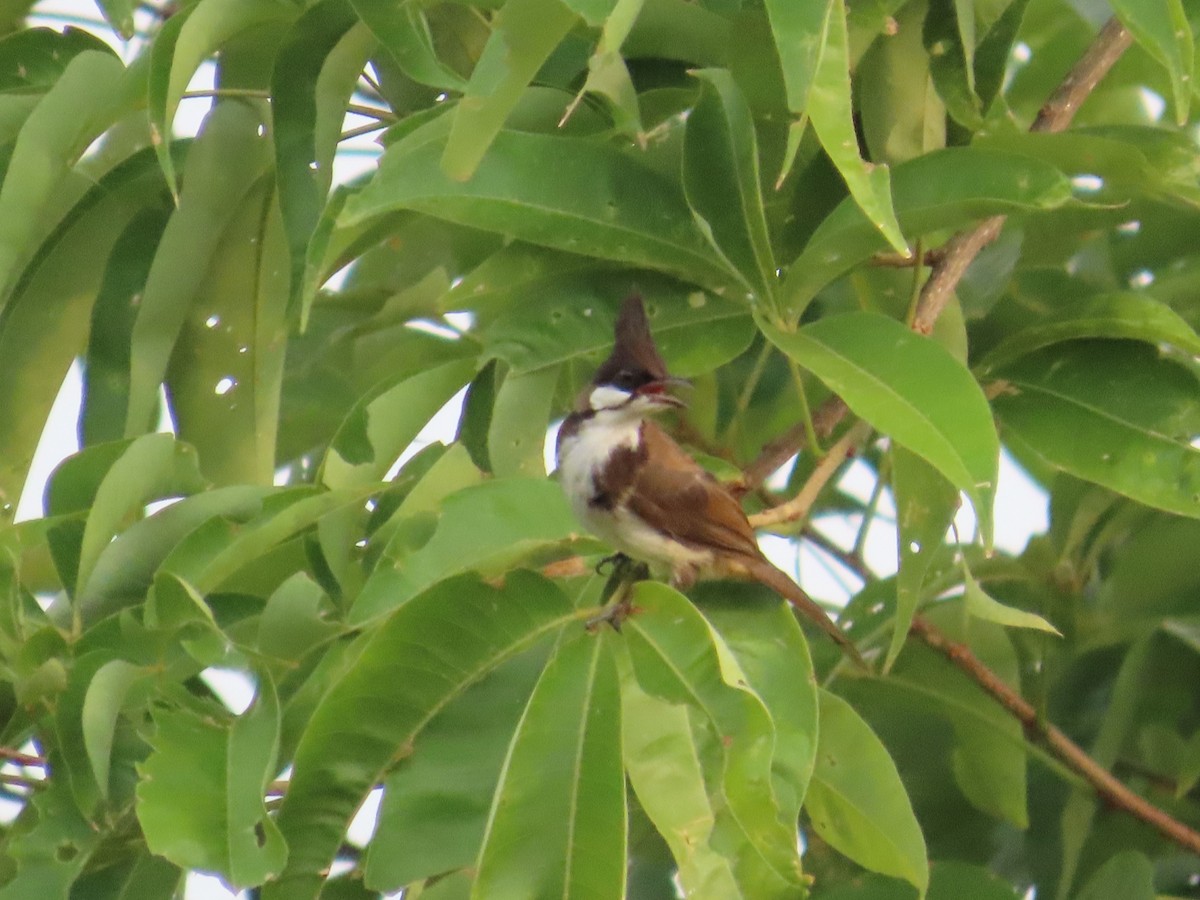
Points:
(623, 573)
(613, 564)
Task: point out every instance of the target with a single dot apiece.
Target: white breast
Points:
(580, 457)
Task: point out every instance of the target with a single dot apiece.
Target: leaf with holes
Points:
(200, 801)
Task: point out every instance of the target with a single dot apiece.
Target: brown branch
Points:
(799, 506)
(21, 759)
(777, 452)
(1113, 40)
(960, 251)
(1103, 782)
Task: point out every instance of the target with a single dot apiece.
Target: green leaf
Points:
(200, 800)
(106, 366)
(569, 193)
(1079, 812)
(212, 195)
(981, 605)
(856, 801)
(45, 323)
(949, 37)
(558, 820)
(488, 528)
(81, 104)
(571, 316)
(721, 179)
(187, 38)
(608, 75)
(293, 621)
(520, 417)
(830, 111)
(35, 58)
(101, 706)
(943, 190)
(1133, 162)
(901, 117)
(221, 549)
(304, 170)
(524, 34)
(910, 388)
(1161, 28)
(134, 875)
(1126, 876)
(949, 880)
(150, 468)
(925, 506)
(125, 568)
(814, 46)
(663, 764)
(677, 657)
(1110, 412)
(772, 651)
(1127, 315)
(428, 653)
(386, 421)
(404, 32)
(989, 754)
(436, 801)
(118, 14)
(49, 854)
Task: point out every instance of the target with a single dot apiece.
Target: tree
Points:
(901, 233)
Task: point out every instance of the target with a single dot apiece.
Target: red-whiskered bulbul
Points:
(633, 487)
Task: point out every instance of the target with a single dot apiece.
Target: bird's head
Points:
(634, 379)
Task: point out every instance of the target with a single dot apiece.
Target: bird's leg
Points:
(618, 591)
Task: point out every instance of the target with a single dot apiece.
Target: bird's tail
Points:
(765, 573)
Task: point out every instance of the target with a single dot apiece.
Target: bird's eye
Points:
(625, 380)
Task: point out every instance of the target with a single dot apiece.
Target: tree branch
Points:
(798, 507)
(1113, 40)
(960, 251)
(1103, 782)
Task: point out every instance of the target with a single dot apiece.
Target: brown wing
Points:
(675, 494)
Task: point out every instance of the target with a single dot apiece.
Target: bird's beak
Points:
(656, 391)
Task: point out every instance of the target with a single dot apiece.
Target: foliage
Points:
(757, 171)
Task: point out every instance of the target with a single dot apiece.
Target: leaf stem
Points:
(371, 112)
(881, 476)
(810, 431)
(747, 394)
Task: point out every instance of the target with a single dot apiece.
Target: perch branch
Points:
(1103, 782)
(960, 251)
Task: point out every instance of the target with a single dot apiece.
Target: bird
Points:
(631, 485)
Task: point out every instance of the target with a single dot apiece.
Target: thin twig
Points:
(961, 250)
(799, 506)
(784, 447)
(896, 261)
(22, 759)
(1103, 782)
(847, 558)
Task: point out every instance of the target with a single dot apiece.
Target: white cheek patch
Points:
(608, 397)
